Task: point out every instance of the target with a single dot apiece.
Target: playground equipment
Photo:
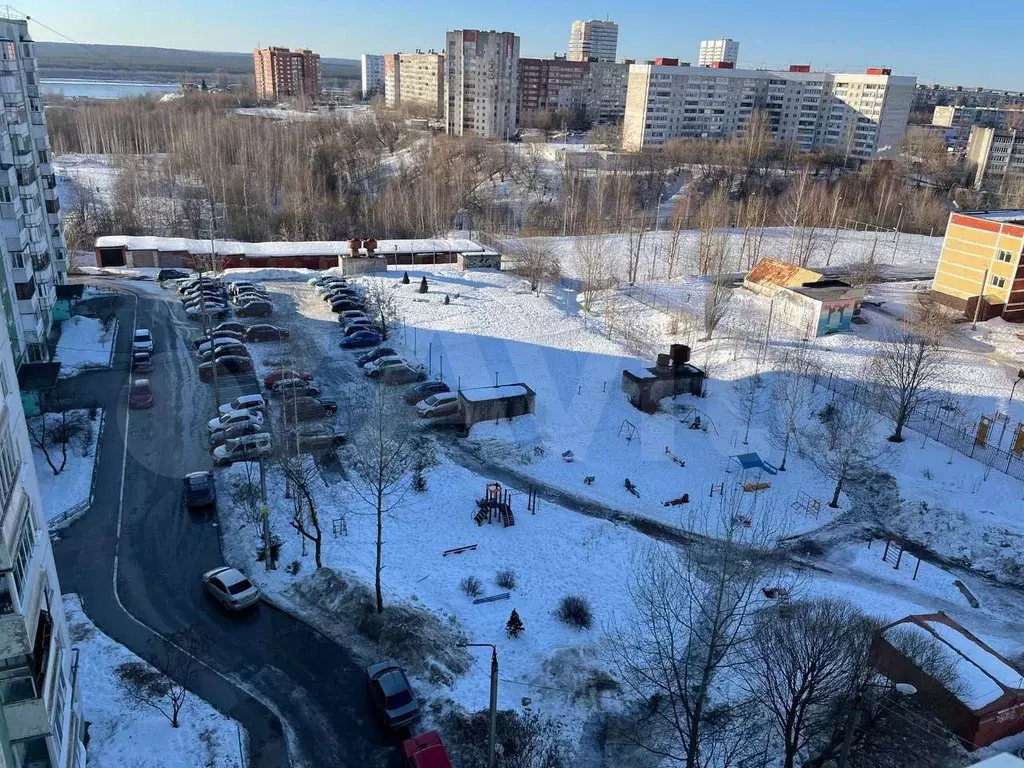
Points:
(495, 505)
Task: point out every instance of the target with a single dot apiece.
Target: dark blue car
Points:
(199, 489)
(361, 339)
(425, 390)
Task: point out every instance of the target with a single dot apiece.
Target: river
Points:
(103, 89)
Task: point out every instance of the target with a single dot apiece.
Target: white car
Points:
(373, 367)
(247, 448)
(245, 403)
(230, 588)
(234, 417)
(441, 404)
(218, 341)
(142, 341)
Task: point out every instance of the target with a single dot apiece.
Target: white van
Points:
(244, 448)
(441, 404)
(246, 403)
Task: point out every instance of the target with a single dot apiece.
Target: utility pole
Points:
(492, 730)
(206, 318)
(265, 513)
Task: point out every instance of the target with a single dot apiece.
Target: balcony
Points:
(33, 328)
(27, 719)
(14, 639)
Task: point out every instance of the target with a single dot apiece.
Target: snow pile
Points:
(121, 734)
(71, 488)
(85, 343)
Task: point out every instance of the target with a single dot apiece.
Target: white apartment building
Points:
(371, 68)
(32, 246)
(481, 83)
(860, 116)
(996, 158)
(41, 724)
(594, 39)
(415, 80)
(724, 49)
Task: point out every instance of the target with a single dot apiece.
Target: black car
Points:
(313, 438)
(308, 408)
(401, 374)
(238, 328)
(231, 365)
(425, 390)
(342, 306)
(225, 350)
(340, 290)
(171, 274)
(264, 332)
(200, 490)
(373, 354)
(255, 309)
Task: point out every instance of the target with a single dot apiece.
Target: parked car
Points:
(142, 362)
(361, 325)
(246, 448)
(425, 751)
(199, 490)
(402, 374)
(342, 292)
(311, 438)
(207, 303)
(233, 432)
(241, 285)
(351, 314)
(265, 332)
(294, 388)
(141, 394)
(373, 354)
(230, 588)
(440, 404)
(199, 295)
(199, 282)
(326, 280)
(249, 295)
(373, 367)
(205, 344)
(224, 350)
(391, 694)
(240, 416)
(425, 390)
(219, 337)
(232, 327)
(285, 373)
(361, 339)
(255, 309)
(246, 403)
(216, 313)
(343, 305)
(329, 285)
(308, 408)
(171, 274)
(231, 365)
(142, 341)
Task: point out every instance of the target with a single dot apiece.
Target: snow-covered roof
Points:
(480, 394)
(283, 248)
(1004, 215)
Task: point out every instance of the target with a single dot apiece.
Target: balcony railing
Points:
(41, 263)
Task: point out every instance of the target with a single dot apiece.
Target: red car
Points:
(285, 373)
(425, 751)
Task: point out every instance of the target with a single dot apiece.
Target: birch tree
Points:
(905, 370)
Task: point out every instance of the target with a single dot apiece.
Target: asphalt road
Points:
(259, 665)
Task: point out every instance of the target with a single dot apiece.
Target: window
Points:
(998, 282)
(23, 553)
(6, 195)
(25, 291)
(1005, 256)
(10, 466)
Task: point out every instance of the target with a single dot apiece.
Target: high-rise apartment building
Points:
(371, 68)
(860, 116)
(996, 158)
(33, 250)
(934, 95)
(593, 40)
(558, 85)
(481, 83)
(724, 50)
(280, 73)
(415, 80)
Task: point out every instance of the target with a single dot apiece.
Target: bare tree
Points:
(713, 238)
(381, 304)
(637, 227)
(791, 397)
(534, 260)
(164, 685)
(381, 460)
(302, 475)
(593, 266)
(802, 209)
(904, 371)
(717, 296)
(46, 429)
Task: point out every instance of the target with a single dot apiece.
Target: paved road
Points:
(259, 663)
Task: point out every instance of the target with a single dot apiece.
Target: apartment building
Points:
(554, 85)
(981, 261)
(860, 116)
(280, 73)
(926, 96)
(371, 69)
(996, 158)
(415, 80)
(724, 50)
(481, 83)
(960, 120)
(33, 250)
(593, 40)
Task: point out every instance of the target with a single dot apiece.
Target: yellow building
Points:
(981, 258)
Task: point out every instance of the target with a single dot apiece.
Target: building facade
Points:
(481, 83)
(415, 80)
(371, 68)
(593, 40)
(33, 250)
(981, 261)
(554, 85)
(724, 50)
(279, 73)
(957, 95)
(860, 116)
(996, 158)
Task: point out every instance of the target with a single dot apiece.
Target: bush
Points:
(574, 611)
(471, 586)
(293, 567)
(405, 278)
(275, 550)
(447, 299)
(514, 626)
(423, 284)
(506, 578)
(524, 739)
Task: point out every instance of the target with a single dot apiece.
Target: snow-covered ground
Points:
(122, 735)
(85, 343)
(71, 488)
(283, 112)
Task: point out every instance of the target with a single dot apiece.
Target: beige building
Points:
(860, 116)
(724, 50)
(996, 157)
(593, 40)
(279, 73)
(481, 83)
(415, 80)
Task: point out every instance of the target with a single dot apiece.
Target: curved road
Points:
(261, 668)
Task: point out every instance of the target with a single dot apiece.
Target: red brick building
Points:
(279, 73)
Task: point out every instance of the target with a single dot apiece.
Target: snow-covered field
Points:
(122, 735)
(85, 343)
(71, 487)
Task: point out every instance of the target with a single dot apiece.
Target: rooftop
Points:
(1009, 216)
(283, 248)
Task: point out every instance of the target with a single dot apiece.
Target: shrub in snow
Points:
(293, 567)
(506, 578)
(423, 284)
(524, 739)
(471, 586)
(275, 551)
(405, 278)
(447, 299)
(574, 611)
(514, 626)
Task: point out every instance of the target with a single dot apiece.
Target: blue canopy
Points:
(754, 461)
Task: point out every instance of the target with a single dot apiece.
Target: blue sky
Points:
(927, 38)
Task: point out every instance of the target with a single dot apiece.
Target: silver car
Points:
(230, 588)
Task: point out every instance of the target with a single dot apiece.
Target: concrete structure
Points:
(945, 95)
(41, 721)
(996, 158)
(983, 700)
(371, 67)
(280, 73)
(593, 40)
(32, 246)
(481, 83)
(860, 116)
(722, 50)
(981, 260)
(493, 403)
(559, 85)
(415, 80)
(672, 375)
(804, 300)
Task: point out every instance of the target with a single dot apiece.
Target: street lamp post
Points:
(657, 213)
(492, 730)
(896, 242)
(905, 689)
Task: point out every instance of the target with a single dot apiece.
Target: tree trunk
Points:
(785, 451)
(380, 544)
(835, 496)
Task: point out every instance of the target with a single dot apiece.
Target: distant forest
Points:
(129, 62)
